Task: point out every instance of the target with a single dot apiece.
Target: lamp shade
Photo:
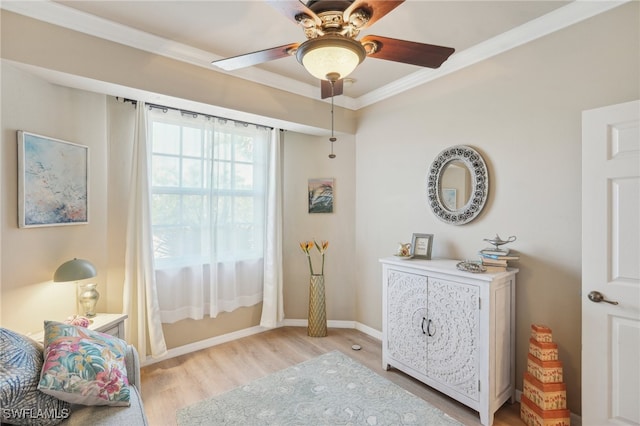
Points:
(74, 270)
(330, 57)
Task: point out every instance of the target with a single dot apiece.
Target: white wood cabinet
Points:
(452, 330)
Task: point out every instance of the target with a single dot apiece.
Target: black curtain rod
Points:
(193, 113)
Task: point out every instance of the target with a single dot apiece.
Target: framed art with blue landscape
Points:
(53, 180)
(321, 195)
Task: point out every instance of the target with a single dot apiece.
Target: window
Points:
(208, 180)
(208, 212)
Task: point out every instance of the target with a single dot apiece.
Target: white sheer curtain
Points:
(140, 298)
(272, 304)
(215, 233)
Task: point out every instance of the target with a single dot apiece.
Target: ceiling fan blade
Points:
(375, 8)
(325, 88)
(293, 8)
(408, 52)
(255, 58)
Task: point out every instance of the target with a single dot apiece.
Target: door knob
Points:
(597, 297)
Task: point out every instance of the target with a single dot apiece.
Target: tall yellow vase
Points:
(317, 325)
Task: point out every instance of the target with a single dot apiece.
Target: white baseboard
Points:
(368, 330)
(338, 324)
(203, 344)
(217, 340)
(330, 323)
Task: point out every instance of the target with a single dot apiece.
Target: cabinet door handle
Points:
(422, 325)
(429, 333)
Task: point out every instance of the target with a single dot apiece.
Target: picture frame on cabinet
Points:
(53, 181)
(421, 246)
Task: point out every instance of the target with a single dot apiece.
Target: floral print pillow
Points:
(83, 366)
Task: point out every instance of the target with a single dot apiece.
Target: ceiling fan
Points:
(331, 51)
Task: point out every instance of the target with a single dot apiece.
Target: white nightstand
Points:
(112, 324)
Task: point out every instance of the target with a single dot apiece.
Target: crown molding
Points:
(76, 20)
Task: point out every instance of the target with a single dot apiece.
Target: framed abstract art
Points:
(53, 180)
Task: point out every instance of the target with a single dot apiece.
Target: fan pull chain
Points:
(332, 139)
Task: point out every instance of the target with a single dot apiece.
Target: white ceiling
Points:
(201, 31)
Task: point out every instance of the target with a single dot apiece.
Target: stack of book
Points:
(496, 260)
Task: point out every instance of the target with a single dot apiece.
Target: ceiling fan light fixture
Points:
(330, 55)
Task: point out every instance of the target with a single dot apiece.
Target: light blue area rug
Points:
(331, 390)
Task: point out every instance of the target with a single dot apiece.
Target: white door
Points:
(611, 265)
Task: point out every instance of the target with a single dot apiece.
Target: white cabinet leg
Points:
(486, 418)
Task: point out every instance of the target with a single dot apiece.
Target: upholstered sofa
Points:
(21, 400)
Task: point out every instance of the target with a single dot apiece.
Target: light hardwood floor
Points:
(170, 385)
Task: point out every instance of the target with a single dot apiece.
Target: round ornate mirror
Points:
(457, 185)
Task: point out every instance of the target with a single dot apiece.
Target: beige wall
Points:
(522, 111)
(30, 256)
(306, 157)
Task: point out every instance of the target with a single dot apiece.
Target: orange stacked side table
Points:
(544, 395)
